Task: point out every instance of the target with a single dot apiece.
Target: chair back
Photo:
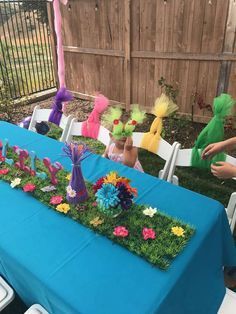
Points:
(164, 150)
(6, 294)
(228, 305)
(43, 115)
(75, 129)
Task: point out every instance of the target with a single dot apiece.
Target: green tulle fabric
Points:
(213, 132)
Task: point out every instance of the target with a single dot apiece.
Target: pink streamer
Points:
(60, 53)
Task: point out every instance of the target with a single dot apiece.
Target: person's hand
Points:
(128, 144)
(223, 170)
(212, 150)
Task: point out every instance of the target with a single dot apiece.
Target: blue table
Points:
(52, 260)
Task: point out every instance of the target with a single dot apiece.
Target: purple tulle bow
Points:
(62, 95)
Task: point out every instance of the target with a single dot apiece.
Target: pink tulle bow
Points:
(90, 127)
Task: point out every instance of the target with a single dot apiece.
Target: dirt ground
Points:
(182, 130)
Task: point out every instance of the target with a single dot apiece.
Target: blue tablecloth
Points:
(52, 260)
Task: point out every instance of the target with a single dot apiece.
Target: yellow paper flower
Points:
(178, 231)
(63, 208)
(111, 178)
(96, 221)
(68, 177)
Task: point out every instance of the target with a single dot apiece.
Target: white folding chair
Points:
(6, 294)
(231, 212)
(228, 305)
(75, 129)
(43, 115)
(165, 151)
(36, 309)
(182, 157)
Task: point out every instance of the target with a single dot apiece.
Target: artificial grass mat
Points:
(159, 251)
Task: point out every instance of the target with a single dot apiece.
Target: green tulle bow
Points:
(213, 132)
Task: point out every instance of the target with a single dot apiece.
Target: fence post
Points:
(127, 65)
(225, 67)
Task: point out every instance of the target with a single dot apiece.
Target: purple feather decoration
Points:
(62, 95)
(76, 190)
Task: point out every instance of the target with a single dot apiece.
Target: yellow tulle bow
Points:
(164, 106)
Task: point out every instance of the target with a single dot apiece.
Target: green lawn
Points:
(201, 181)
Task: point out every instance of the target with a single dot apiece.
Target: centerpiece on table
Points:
(76, 190)
(114, 194)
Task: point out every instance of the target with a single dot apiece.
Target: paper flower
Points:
(4, 171)
(94, 204)
(148, 233)
(107, 196)
(149, 211)
(48, 188)
(70, 191)
(120, 231)
(29, 187)
(15, 182)
(55, 200)
(63, 208)
(68, 177)
(111, 178)
(178, 231)
(98, 184)
(96, 221)
(124, 196)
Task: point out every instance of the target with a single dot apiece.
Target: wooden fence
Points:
(123, 47)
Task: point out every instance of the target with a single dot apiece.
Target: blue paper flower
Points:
(107, 196)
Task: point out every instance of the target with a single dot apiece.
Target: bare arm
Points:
(130, 153)
(215, 148)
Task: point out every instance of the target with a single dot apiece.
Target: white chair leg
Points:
(6, 294)
(36, 309)
(172, 166)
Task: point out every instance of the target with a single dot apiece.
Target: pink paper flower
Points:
(148, 233)
(55, 200)
(121, 231)
(94, 203)
(4, 171)
(29, 187)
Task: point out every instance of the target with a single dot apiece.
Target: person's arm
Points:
(130, 153)
(223, 170)
(219, 147)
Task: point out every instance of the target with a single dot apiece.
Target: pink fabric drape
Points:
(60, 53)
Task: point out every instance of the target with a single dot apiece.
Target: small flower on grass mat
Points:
(70, 191)
(29, 187)
(96, 221)
(48, 188)
(148, 233)
(4, 171)
(94, 204)
(178, 231)
(121, 231)
(63, 208)
(150, 211)
(55, 200)
(68, 177)
(15, 182)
